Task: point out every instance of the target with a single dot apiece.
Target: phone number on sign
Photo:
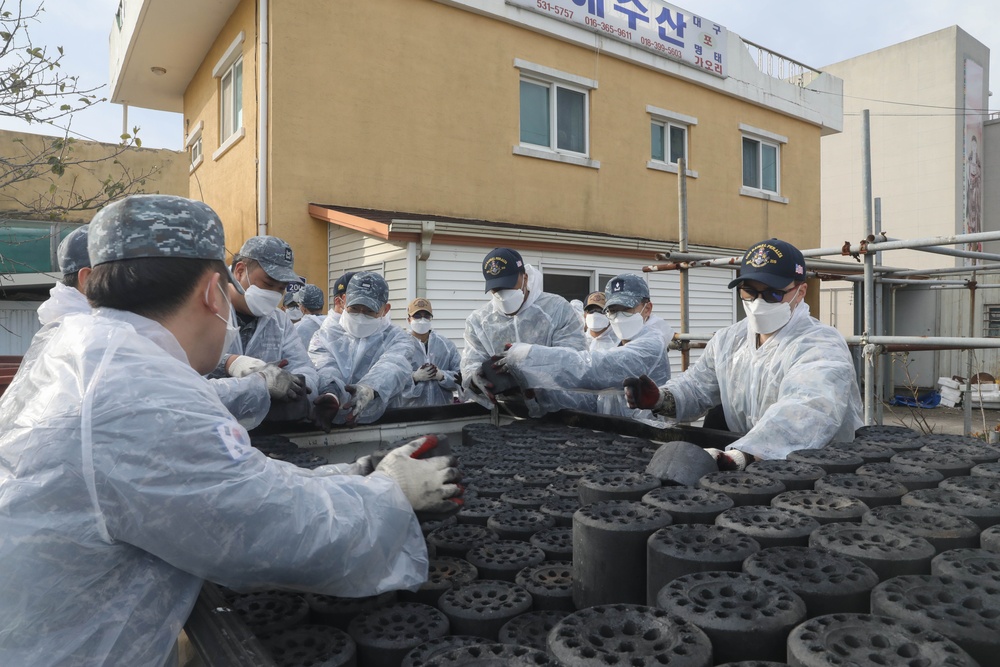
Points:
(608, 28)
(555, 9)
(661, 47)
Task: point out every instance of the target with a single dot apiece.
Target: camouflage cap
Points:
(142, 226)
(274, 256)
(367, 289)
(311, 297)
(626, 289)
(419, 304)
(72, 251)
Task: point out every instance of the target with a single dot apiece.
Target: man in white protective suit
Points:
(125, 482)
(784, 380)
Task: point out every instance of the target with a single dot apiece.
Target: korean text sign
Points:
(653, 25)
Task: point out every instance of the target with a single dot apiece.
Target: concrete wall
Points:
(413, 105)
(228, 182)
(169, 171)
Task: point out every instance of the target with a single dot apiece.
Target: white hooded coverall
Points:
(124, 483)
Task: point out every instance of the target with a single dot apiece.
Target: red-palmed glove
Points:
(642, 393)
(731, 459)
(430, 484)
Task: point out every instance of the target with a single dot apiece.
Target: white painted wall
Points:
(455, 281)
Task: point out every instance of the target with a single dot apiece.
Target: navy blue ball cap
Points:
(775, 263)
(368, 289)
(501, 268)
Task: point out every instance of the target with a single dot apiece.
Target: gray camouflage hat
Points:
(367, 289)
(72, 251)
(141, 226)
(273, 255)
(626, 289)
(311, 297)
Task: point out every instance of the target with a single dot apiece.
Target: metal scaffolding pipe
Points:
(944, 342)
(982, 268)
(866, 194)
(954, 252)
(921, 243)
(682, 215)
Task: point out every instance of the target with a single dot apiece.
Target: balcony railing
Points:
(781, 67)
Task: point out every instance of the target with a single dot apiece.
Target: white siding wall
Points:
(354, 251)
(455, 281)
(18, 323)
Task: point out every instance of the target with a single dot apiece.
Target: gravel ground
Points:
(941, 419)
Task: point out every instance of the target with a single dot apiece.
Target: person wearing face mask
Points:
(435, 379)
(290, 304)
(518, 312)
(339, 295)
(363, 359)
(594, 378)
(784, 380)
(598, 326)
(265, 345)
(69, 295)
(309, 301)
(125, 482)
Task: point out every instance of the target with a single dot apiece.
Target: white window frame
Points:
(667, 119)
(554, 79)
(225, 68)
(776, 141)
(991, 314)
(194, 146)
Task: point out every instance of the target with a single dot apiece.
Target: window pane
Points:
(535, 114)
(769, 167)
(238, 95)
(656, 141)
(678, 137)
(225, 110)
(571, 120)
(568, 287)
(751, 178)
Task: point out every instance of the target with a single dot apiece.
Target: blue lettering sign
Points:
(639, 13)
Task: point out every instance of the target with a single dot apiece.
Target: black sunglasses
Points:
(748, 293)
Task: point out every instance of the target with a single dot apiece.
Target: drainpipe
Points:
(423, 252)
(682, 234)
(262, 157)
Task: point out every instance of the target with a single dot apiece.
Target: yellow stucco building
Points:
(411, 136)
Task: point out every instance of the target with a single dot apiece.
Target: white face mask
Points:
(626, 325)
(597, 321)
(508, 301)
(358, 325)
(232, 331)
(766, 318)
(420, 325)
(294, 313)
(261, 301)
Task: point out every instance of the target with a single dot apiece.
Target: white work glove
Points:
(243, 366)
(282, 385)
(513, 355)
(425, 373)
(429, 484)
(363, 466)
(439, 375)
(730, 459)
(361, 396)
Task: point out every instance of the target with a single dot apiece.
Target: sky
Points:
(813, 32)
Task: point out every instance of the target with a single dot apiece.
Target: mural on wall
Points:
(973, 141)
